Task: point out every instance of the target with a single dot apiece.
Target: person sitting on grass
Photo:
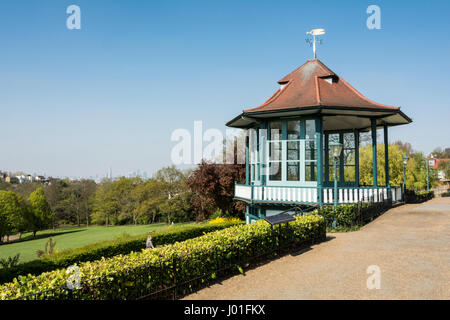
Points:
(149, 244)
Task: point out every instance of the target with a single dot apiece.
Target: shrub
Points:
(138, 274)
(106, 249)
(50, 243)
(412, 196)
(10, 261)
(349, 217)
(219, 220)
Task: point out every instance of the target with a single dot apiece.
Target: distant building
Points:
(10, 179)
(433, 163)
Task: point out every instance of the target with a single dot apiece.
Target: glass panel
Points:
(331, 175)
(310, 129)
(293, 171)
(275, 170)
(293, 130)
(310, 150)
(293, 150)
(275, 151)
(275, 130)
(310, 171)
(349, 156)
(349, 173)
(349, 140)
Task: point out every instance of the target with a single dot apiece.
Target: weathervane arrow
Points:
(315, 33)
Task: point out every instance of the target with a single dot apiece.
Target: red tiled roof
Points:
(314, 85)
(436, 162)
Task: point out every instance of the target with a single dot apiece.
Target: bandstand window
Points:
(254, 156)
(349, 157)
(292, 150)
(310, 151)
(333, 138)
(275, 149)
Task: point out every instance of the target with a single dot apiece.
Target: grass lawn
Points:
(72, 237)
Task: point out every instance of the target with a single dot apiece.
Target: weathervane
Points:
(315, 33)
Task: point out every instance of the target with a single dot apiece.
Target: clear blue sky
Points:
(77, 102)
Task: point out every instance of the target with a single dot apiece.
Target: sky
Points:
(78, 103)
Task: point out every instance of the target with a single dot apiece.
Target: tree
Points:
(41, 212)
(13, 214)
(105, 208)
(415, 170)
(148, 198)
(113, 201)
(54, 193)
(175, 193)
(213, 187)
(444, 166)
(439, 153)
(75, 199)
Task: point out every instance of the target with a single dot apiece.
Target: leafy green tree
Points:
(41, 212)
(113, 201)
(104, 207)
(174, 192)
(148, 198)
(75, 200)
(439, 153)
(415, 169)
(444, 166)
(13, 214)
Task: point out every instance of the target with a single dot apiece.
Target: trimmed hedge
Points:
(351, 215)
(413, 197)
(107, 249)
(141, 273)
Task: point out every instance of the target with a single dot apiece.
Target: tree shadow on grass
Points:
(41, 236)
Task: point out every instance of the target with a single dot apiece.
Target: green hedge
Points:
(353, 215)
(107, 249)
(412, 196)
(141, 273)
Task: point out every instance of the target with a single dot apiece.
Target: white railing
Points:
(354, 195)
(309, 194)
(243, 192)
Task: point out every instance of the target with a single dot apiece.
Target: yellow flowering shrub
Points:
(220, 220)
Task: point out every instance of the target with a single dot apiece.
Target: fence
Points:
(356, 214)
(171, 279)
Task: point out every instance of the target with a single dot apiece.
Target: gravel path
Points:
(410, 244)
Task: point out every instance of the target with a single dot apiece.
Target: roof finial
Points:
(315, 33)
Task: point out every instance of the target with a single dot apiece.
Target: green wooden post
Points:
(319, 139)
(258, 155)
(263, 153)
(327, 158)
(247, 165)
(386, 161)
(374, 151)
(356, 133)
(341, 158)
